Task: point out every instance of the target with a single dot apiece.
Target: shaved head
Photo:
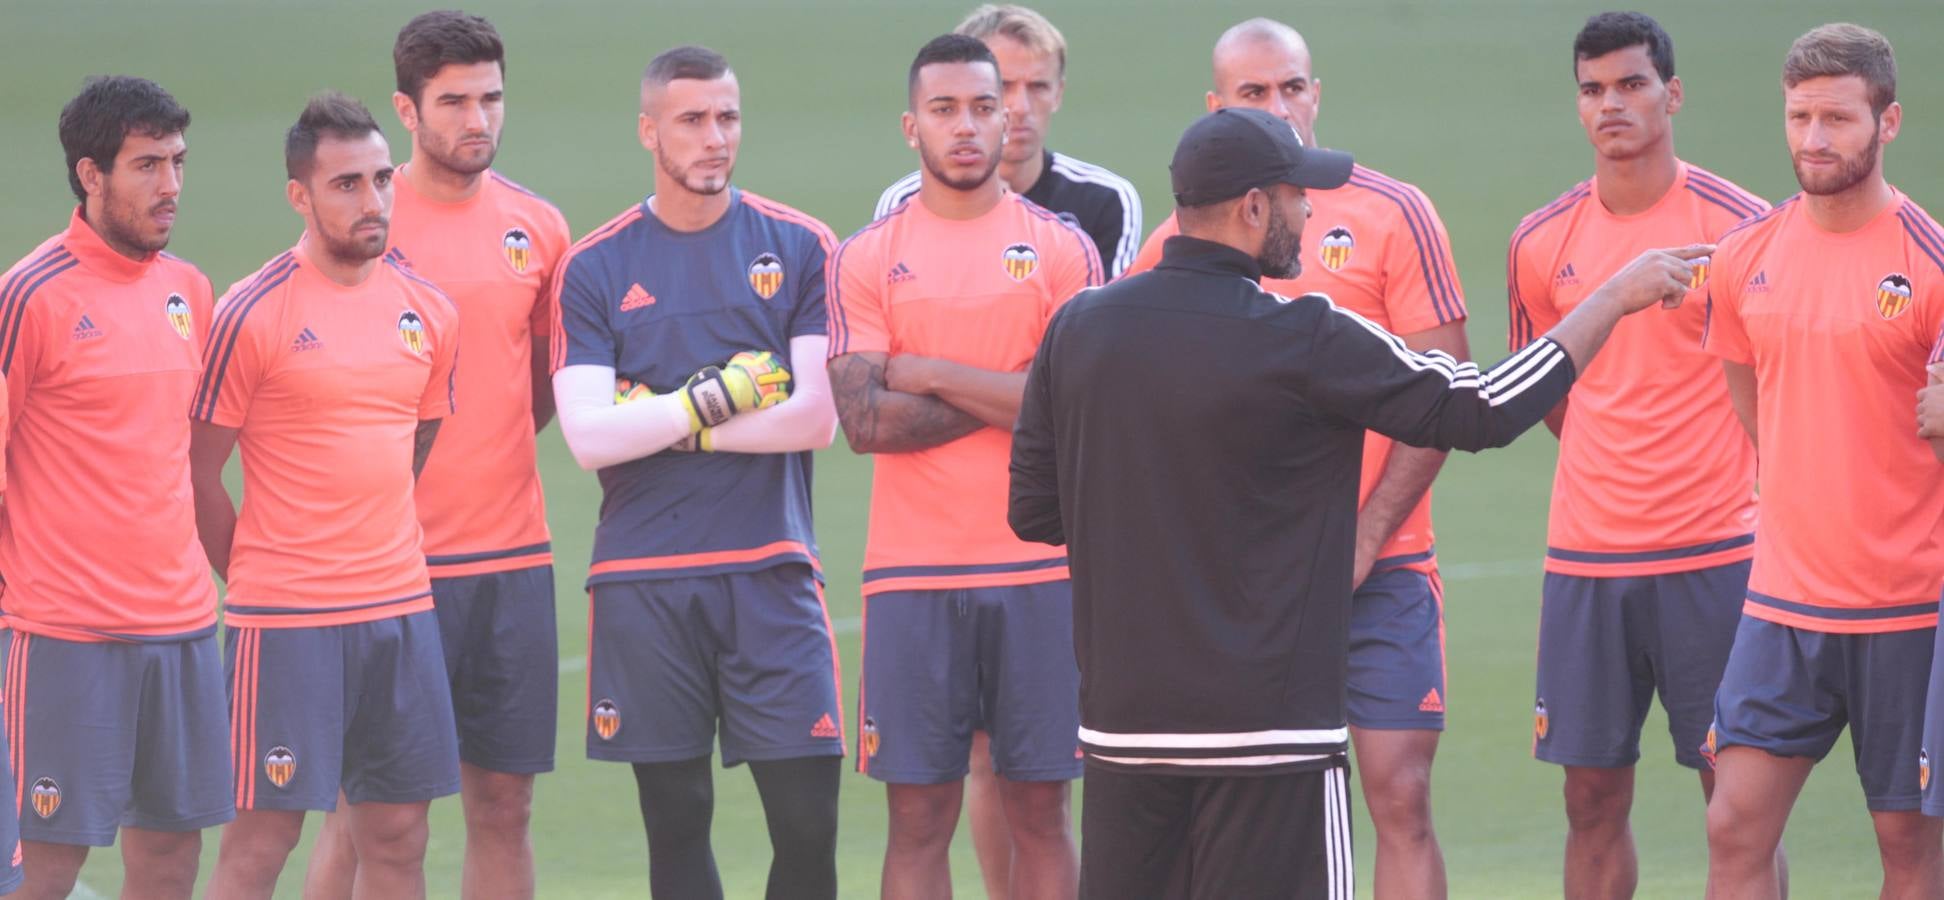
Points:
(1264, 64)
(1251, 35)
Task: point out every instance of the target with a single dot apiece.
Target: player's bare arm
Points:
(1741, 393)
(1930, 410)
(209, 451)
(428, 431)
(1556, 420)
(543, 395)
(992, 397)
(1409, 471)
(877, 419)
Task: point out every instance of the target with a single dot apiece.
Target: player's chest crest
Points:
(153, 331)
(399, 337)
(1337, 248)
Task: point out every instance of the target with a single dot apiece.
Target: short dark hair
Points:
(109, 109)
(1845, 49)
(686, 61)
(329, 114)
(1610, 31)
(442, 38)
(951, 48)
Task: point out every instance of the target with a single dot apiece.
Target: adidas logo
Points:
(900, 273)
(306, 340)
(1432, 703)
(636, 298)
(825, 728)
(1758, 284)
(85, 329)
(1566, 276)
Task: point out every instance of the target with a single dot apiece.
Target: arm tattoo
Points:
(422, 444)
(879, 420)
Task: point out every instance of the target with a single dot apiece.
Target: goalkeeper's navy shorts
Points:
(668, 658)
(941, 664)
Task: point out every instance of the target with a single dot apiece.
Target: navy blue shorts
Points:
(1790, 691)
(107, 734)
(502, 657)
(668, 658)
(939, 665)
(1607, 645)
(1396, 678)
(363, 707)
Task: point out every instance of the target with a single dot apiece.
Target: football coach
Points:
(1196, 441)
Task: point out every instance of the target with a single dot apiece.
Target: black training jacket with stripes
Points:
(1195, 441)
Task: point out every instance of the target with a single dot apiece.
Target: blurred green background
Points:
(1473, 101)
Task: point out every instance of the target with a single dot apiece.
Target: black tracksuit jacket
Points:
(1196, 443)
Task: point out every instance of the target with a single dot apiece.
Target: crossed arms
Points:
(907, 403)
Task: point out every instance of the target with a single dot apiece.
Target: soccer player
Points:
(706, 595)
(1381, 252)
(114, 699)
(936, 310)
(1653, 504)
(491, 245)
(1824, 311)
(332, 366)
(1032, 72)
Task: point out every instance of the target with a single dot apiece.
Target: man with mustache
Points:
(935, 312)
(1653, 504)
(332, 366)
(706, 597)
(1379, 249)
(491, 245)
(114, 703)
(1032, 58)
(1824, 311)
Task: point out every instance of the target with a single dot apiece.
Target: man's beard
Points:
(445, 157)
(353, 250)
(1850, 172)
(698, 186)
(123, 227)
(1282, 248)
(937, 170)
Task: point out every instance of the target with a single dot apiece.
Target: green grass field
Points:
(1471, 100)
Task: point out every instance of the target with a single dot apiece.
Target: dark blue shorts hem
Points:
(1415, 724)
(406, 795)
(903, 777)
(1586, 761)
(1053, 773)
(181, 823)
(626, 755)
(73, 838)
(1906, 803)
(509, 766)
(795, 751)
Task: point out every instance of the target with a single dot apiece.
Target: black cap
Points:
(1231, 150)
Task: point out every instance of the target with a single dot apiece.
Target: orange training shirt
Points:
(327, 385)
(493, 254)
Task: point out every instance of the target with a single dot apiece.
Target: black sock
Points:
(677, 804)
(800, 803)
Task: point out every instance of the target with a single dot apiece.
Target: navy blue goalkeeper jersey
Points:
(658, 304)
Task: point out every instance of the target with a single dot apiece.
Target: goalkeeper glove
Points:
(749, 380)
